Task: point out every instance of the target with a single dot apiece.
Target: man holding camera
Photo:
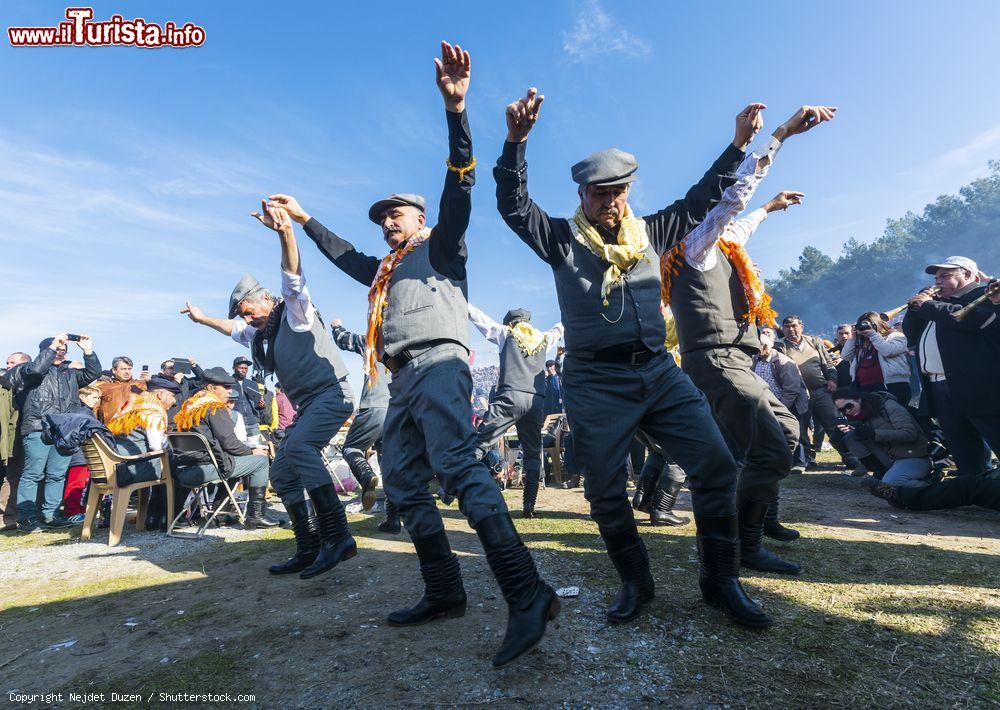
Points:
(46, 385)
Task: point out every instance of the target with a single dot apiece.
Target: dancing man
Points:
(417, 327)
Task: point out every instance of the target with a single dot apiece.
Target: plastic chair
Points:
(102, 461)
(193, 442)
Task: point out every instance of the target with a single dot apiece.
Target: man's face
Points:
(792, 330)
(241, 370)
(122, 372)
(256, 313)
(399, 223)
(60, 355)
(15, 359)
(950, 280)
(844, 333)
(168, 369)
(604, 205)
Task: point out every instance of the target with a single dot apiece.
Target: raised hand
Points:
(290, 205)
(86, 344)
(783, 200)
(274, 218)
(522, 114)
(59, 341)
(749, 121)
(454, 69)
(806, 118)
(193, 312)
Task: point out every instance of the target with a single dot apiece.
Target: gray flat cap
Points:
(606, 167)
(517, 315)
(403, 198)
(247, 286)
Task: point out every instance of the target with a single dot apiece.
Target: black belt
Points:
(396, 362)
(629, 354)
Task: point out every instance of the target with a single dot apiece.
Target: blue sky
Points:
(128, 174)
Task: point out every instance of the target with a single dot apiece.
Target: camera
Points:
(865, 325)
(841, 420)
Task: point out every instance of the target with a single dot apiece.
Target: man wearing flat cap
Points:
(140, 427)
(520, 393)
(287, 337)
(618, 376)
(417, 327)
(250, 402)
(958, 361)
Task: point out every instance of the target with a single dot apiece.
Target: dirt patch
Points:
(892, 608)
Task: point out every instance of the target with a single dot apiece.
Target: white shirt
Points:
(720, 222)
(497, 333)
(930, 355)
(299, 310)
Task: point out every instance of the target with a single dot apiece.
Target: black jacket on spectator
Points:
(42, 388)
(970, 350)
(220, 431)
(67, 432)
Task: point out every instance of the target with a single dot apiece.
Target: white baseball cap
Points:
(954, 262)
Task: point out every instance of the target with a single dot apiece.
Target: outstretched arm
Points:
(346, 340)
(491, 330)
(526, 219)
(220, 325)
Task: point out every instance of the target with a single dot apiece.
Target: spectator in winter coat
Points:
(878, 358)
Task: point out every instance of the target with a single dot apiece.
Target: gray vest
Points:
(308, 363)
(423, 305)
(377, 396)
(633, 310)
(709, 307)
(520, 372)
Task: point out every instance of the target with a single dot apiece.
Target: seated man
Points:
(207, 413)
(140, 427)
(883, 434)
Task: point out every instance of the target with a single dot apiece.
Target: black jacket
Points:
(67, 432)
(41, 388)
(970, 350)
(220, 431)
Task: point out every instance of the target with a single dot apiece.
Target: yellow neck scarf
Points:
(630, 247)
(143, 411)
(528, 338)
(196, 408)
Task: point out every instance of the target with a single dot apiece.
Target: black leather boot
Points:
(255, 517)
(628, 553)
(444, 593)
(531, 603)
(337, 544)
(391, 523)
(530, 496)
(643, 500)
(719, 553)
(663, 507)
(156, 513)
(773, 527)
(365, 475)
(306, 540)
(753, 554)
(872, 463)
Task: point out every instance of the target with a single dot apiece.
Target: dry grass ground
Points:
(894, 609)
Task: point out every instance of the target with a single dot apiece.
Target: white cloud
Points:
(595, 33)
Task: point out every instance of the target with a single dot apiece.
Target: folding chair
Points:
(193, 442)
(102, 461)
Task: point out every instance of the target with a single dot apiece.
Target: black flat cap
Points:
(217, 376)
(158, 382)
(516, 315)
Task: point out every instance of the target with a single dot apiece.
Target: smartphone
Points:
(73, 338)
(182, 366)
(145, 368)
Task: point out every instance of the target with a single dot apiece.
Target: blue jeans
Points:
(908, 472)
(42, 464)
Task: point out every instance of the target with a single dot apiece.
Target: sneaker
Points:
(798, 470)
(57, 521)
(76, 519)
(884, 491)
(29, 526)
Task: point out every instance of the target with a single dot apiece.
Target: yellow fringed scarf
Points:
(528, 338)
(378, 299)
(142, 411)
(630, 248)
(196, 408)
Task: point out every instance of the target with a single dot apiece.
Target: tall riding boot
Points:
(306, 540)
(773, 527)
(645, 494)
(753, 554)
(629, 556)
(391, 523)
(337, 543)
(530, 495)
(719, 553)
(531, 603)
(255, 517)
(663, 508)
(444, 593)
(365, 475)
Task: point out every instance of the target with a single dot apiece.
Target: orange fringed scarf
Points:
(143, 411)
(759, 310)
(196, 408)
(378, 299)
